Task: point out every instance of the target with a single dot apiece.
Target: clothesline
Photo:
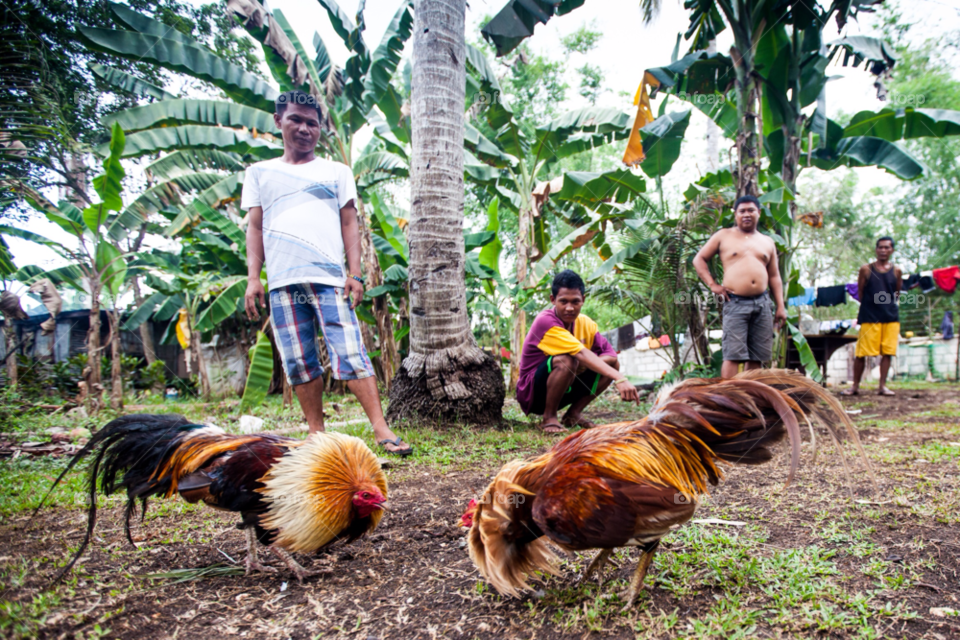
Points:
(944, 279)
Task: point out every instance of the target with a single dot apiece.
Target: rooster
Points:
(631, 483)
(292, 495)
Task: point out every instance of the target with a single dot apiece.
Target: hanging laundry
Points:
(946, 327)
(853, 289)
(653, 342)
(911, 281)
(946, 278)
(611, 337)
(805, 299)
(643, 344)
(664, 340)
(831, 296)
(926, 281)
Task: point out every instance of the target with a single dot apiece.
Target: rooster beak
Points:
(384, 505)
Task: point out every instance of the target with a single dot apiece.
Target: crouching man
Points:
(565, 361)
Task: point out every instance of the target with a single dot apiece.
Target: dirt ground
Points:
(818, 559)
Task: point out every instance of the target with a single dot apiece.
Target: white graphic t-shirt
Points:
(302, 241)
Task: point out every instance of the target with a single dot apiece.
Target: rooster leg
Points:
(636, 583)
(596, 564)
(252, 563)
(288, 560)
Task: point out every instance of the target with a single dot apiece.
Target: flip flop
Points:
(850, 392)
(886, 392)
(403, 453)
(553, 426)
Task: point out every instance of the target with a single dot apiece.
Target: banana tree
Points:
(519, 170)
(96, 266)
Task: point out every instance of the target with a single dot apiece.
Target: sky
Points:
(626, 48)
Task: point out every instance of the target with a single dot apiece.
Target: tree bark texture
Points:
(748, 106)
(519, 333)
(94, 385)
(205, 389)
(445, 376)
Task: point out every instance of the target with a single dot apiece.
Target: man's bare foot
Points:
(387, 439)
(578, 421)
(850, 392)
(552, 425)
(883, 391)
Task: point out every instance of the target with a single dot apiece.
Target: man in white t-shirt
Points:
(302, 219)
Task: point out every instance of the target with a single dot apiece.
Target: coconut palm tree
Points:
(445, 374)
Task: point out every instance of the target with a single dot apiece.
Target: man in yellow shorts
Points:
(880, 283)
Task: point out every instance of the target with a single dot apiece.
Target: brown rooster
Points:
(631, 483)
(292, 495)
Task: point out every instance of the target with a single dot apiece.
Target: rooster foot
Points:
(253, 563)
(292, 564)
(636, 582)
(597, 564)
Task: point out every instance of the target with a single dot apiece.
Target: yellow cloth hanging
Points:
(183, 330)
(634, 153)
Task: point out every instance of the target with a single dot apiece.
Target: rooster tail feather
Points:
(816, 402)
(504, 542)
(135, 444)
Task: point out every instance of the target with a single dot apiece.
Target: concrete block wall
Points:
(913, 359)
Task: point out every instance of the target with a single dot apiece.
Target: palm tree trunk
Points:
(519, 333)
(445, 376)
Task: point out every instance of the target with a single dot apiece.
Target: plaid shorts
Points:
(299, 312)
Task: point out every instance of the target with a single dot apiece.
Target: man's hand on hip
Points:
(254, 293)
(353, 291)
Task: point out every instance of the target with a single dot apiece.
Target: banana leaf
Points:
(298, 46)
(662, 140)
(579, 130)
(517, 19)
(490, 253)
(107, 185)
(144, 311)
(227, 189)
(386, 57)
(485, 150)
(70, 275)
(224, 225)
(192, 136)
(374, 168)
(874, 53)
(807, 359)
(129, 83)
(589, 188)
(112, 267)
(162, 196)
(224, 305)
(904, 124)
(7, 267)
(862, 151)
(191, 161)
(190, 59)
(260, 373)
(210, 112)
(703, 79)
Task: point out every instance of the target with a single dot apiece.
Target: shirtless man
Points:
(749, 268)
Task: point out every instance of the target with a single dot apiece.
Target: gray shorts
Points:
(748, 329)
